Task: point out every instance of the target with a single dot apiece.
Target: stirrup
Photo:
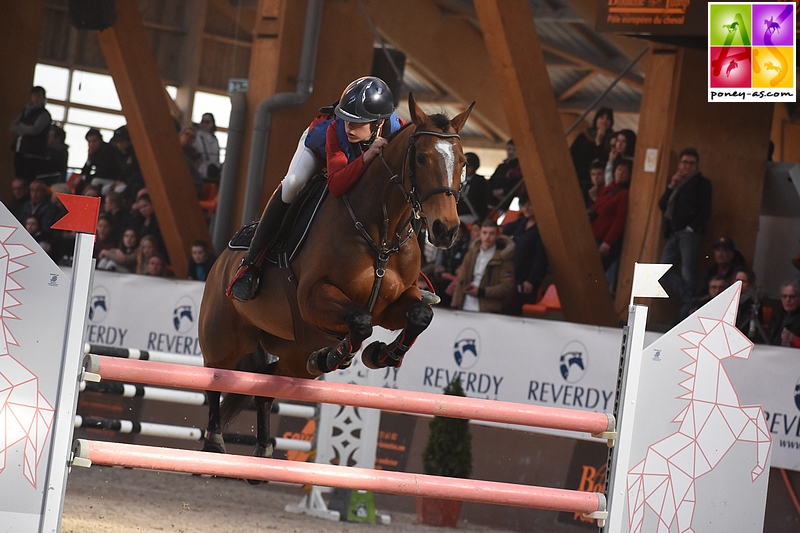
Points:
(245, 283)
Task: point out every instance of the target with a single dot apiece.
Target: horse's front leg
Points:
(417, 319)
(330, 302)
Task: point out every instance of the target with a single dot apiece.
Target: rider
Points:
(346, 141)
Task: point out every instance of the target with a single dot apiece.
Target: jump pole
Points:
(601, 425)
(166, 459)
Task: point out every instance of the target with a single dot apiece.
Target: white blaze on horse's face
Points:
(445, 148)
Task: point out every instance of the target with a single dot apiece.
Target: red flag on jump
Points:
(82, 212)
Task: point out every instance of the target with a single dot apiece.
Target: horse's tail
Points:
(233, 404)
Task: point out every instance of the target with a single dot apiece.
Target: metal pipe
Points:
(221, 231)
(263, 119)
(608, 89)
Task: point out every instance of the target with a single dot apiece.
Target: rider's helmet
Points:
(365, 100)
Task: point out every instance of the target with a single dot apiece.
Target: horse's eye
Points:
(421, 159)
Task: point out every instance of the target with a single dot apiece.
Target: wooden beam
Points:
(19, 50)
(577, 86)
(448, 50)
(630, 79)
(527, 96)
(166, 174)
(191, 59)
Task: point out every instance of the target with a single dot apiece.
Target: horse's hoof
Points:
(312, 366)
(264, 451)
(429, 298)
(377, 356)
(214, 443)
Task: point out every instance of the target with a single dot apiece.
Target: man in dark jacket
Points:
(31, 127)
(473, 206)
(686, 205)
(727, 261)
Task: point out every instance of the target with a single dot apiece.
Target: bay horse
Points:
(358, 268)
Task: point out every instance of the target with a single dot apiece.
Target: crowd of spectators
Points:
(128, 238)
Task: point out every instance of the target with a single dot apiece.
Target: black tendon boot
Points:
(244, 285)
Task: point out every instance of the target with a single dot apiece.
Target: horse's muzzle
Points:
(441, 235)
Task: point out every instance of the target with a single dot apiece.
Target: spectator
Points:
(132, 179)
(784, 326)
(530, 259)
(727, 261)
(200, 261)
(473, 206)
(443, 272)
(193, 157)
(156, 266)
(39, 234)
(749, 315)
(102, 238)
(40, 205)
(623, 145)
(63, 240)
(686, 205)
(31, 128)
(593, 144)
(207, 145)
(54, 168)
(115, 207)
(143, 220)
(608, 215)
(505, 177)
(716, 285)
(148, 246)
(102, 167)
(20, 197)
(124, 257)
(597, 175)
(487, 273)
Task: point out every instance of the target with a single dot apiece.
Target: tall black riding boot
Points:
(244, 285)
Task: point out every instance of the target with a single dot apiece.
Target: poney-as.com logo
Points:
(183, 315)
(467, 348)
(572, 363)
(98, 305)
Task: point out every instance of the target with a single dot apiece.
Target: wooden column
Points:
(527, 96)
(732, 140)
(274, 64)
(19, 50)
(191, 58)
(166, 174)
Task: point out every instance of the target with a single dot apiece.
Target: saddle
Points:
(291, 237)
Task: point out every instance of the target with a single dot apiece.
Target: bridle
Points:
(412, 196)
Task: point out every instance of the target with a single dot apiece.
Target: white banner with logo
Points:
(522, 360)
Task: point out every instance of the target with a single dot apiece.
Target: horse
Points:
(358, 267)
(710, 424)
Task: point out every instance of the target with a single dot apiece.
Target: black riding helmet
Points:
(365, 100)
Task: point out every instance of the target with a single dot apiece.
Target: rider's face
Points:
(358, 131)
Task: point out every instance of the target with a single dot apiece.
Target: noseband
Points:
(412, 197)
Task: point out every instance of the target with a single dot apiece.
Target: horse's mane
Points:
(440, 120)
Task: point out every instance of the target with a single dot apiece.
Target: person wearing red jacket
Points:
(345, 139)
(608, 214)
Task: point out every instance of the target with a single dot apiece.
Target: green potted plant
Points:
(447, 453)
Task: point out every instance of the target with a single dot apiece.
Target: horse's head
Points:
(436, 167)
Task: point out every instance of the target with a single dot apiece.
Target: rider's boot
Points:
(244, 285)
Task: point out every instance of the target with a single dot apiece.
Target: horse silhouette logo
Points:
(183, 315)
(466, 349)
(572, 362)
(772, 26)
(99, 305)
(797, 395)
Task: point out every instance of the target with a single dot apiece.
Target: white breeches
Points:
(303, 167)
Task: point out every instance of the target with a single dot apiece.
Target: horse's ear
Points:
(418, 116)
(459, 120)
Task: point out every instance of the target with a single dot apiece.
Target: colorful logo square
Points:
(730, 67)
(773, 25)
(773, 66)
(729, 24)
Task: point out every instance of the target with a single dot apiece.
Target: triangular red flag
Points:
(82, 213)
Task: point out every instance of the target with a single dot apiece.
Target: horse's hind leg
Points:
(359, 325)
(264, 444)
(381, 355)
(213, 437)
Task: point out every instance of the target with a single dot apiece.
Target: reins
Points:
(412, 197)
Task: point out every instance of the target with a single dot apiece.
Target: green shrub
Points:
(449, 449)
